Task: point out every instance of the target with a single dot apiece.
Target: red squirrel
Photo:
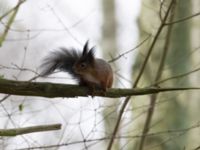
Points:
(89, 71)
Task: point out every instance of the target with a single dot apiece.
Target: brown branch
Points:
(125, 103)
(26, 130)
(158, 76)
(183, 19)
(197, 148)
(52, 90)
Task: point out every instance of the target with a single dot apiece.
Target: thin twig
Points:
(65, 27)
(14, 8)
(158, 76)
(4, 98)
(176, 77)
(26, 130)
(183, 19)
(118, 137)
(10, 21)
(125, 103)
(121, 55)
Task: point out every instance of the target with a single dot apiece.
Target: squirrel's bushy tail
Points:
(62, 60)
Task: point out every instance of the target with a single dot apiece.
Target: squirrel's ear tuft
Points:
(90, 55)
(85, 48)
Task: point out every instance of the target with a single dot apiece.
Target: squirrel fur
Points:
(83, 66)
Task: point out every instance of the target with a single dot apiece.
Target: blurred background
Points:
(123, 33)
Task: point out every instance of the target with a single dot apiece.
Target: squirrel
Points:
(89, 71)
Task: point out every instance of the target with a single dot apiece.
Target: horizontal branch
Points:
(130, 137)
(52, 90)
(26, 130)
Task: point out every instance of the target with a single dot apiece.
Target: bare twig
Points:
(65, 27)
(26, 130)
(121, 55)
(125, 103)
(10, 21)
(183, 19)
(160, 10)
(176, 77)
(16, 67)
(158, 76)
(4, 98)
(118, 137)
(11, 10)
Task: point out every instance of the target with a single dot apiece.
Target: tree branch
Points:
(52, 90)
(11, 10)
(159, 73)
(151, 48)
(10, 20)
(26, 130)
(129, 137)
(183, 19)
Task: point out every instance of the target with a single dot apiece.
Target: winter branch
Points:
(52, 90)
(26, 130)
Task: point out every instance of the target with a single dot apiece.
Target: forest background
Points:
(152, 45)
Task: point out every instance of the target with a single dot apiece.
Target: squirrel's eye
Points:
(83, 65)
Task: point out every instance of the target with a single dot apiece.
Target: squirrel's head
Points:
(86, 62)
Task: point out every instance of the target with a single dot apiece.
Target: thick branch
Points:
(52, 90)
(26, 130)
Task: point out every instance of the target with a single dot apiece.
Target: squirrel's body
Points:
(83, 66)
(101, 76)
